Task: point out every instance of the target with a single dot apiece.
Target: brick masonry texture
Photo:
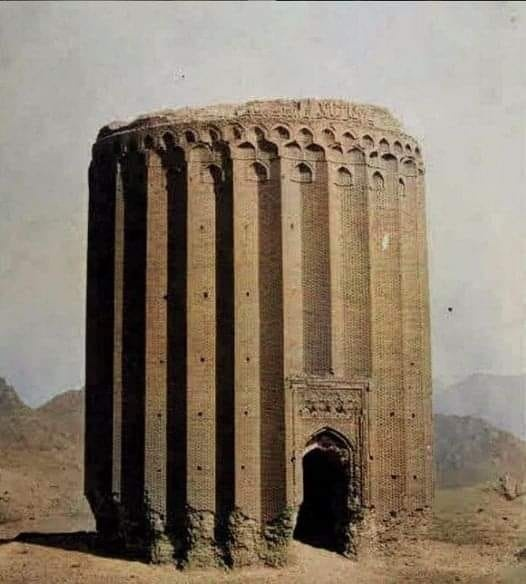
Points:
(257, 289)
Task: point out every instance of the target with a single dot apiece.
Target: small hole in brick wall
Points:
(246, 413)
(200, 414)
(199, 468)
(242, 467)
(161, 361)
(394, 477)
(415, 477)
(159, 415)
(205, 294)
(371, 457)
(413, 415)
(202, 359)
(201, 227)
(392, 513)
(392, 414)
(292, 225)
(248, 293)
(248, 359)
(412, 364)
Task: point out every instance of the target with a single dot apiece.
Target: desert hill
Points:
(41, 459)
(469, 451)
(10, 403)
(57, 425)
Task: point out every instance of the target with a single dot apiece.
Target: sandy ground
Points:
(474, 538)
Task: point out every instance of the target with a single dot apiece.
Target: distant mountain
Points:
(10, 403)
(65, 412)
(70, 402)
(498, 399)
(57, 425)
(469, 451)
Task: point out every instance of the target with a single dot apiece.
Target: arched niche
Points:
(169, 141)
(378, 181)
(348, 140)
(258, 172)
(267, 148)
(132, 144)
(215, 134)
(329, 136)
(344, 177)
(302, 173)
(280, 133)
(235, 132)
(367, 141)
(246, 151)
(383, 146)
(357, 156)
(305, 136)
(257, 133)
(190, 136)
(149, 142)
(314, 152)
(409, 167)
(292, 150)
(389, 162)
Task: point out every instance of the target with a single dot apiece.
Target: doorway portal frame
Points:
(338, 442)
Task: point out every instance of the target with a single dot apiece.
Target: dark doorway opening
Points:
(325, 497)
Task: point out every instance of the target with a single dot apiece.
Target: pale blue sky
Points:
(453, 72)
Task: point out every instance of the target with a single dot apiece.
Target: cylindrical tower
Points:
(257, 348)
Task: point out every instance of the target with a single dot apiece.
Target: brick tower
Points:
(257, 353)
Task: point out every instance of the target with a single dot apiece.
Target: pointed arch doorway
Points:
(325, 514)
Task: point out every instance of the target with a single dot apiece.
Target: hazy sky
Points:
(453, 72)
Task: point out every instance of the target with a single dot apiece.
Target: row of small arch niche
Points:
(305, 137)
(303, 173)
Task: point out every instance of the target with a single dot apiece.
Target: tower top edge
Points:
(272, 110)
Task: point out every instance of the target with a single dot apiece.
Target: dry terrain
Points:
(46, 529)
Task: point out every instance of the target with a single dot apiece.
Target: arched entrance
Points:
(325, 515)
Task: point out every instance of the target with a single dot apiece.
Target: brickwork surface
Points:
(257, 288)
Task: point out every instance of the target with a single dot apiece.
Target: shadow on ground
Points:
(76, 541)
